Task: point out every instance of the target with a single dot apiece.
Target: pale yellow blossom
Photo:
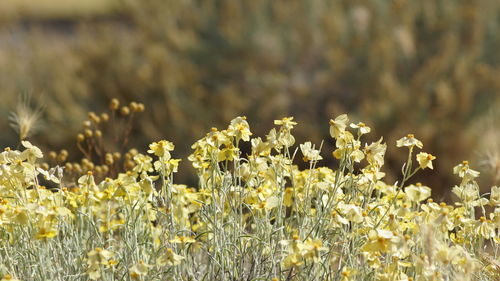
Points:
(338, 125)
(425, 160)
(409, 141)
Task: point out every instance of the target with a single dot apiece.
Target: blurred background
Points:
(425, 67)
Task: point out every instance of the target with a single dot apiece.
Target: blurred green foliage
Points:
(425, 67)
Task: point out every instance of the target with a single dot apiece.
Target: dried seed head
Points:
(90, 166)
(63, 152)
(104, 117)
(63, 155)
(52, 155)
(133, 106)
(86, 124)
(88, 133)
(94, 118)
(117, 156)
(85, 161)
(114, 104)
(80, 137)
(98, 133)
(125, 110)
(25, 120)
(129, 164)
(108, 159)
(68, 166)
(105, 169)
(77, 168)
(98, 169)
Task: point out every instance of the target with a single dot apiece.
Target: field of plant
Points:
(431, 66)
(253, 215)
(122, 156)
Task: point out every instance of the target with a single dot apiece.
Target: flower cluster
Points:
(253, 215)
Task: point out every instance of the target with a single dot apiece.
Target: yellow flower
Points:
(216, 138)
(425, 160)
(495, 196)
(351, 212)
(161, 149)
(310, 154)
(272, 202)
(99, 256)
(372, 173)
(272, 138)
(346, 140)
(87, 181)
(338, 125)
(240, 129)
(18, 215)
(362, 128)
(288, 197)
(182, 240)
(8, 277)
(112, 224)
(409, 141)
(169, 258)
(447, 255)
(9, 156)
(48, 175)
(298, 251)
(142, 163)
(282, 138)
(486, 228)
(465, 172)
(31, 153)
(380, 240)
(293, 260)
(172, 165)
(286, 123)
(347, 273)
(375, 153)
(156, 234)
(337, 220)
(228, 154)
(260, 148)
(46, 232)
(139, 269)
(312, 248)
(467, 192)
(418, 192)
